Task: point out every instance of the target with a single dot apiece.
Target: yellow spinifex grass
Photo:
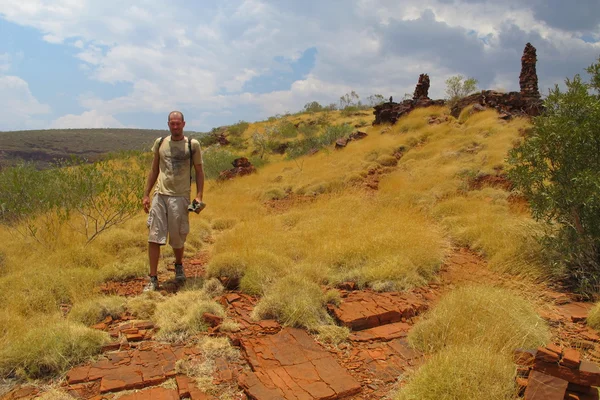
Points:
(494, 318)
(593, 318)
(335, 238)
(48, 345)
(180, 317)
(463, 372)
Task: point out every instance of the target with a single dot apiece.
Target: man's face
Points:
(176, 125)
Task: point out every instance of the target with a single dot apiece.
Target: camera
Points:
(196, 206)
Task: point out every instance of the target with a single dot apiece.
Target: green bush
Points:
(557, 168)
(238, 129)
(332, 133)
(217, 160)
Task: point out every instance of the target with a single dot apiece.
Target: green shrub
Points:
(217, 160)
(557, 168)
(238, 129)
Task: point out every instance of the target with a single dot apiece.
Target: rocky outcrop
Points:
(241, 167)
(525, 102)
(422, 88)
(552, 372)
(528, 80)
(343, 142)
(390, 112)
(507, 104)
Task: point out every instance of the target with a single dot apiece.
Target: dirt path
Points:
(288, 363)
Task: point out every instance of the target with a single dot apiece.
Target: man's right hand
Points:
(146, 204)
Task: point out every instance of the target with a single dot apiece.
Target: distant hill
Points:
(44, 146)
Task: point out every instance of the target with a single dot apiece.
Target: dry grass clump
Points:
(483, 221)
(229, 264)
(122, 270)
(55, 394)
(94, 310)
(593, 318)
(48, 346)
(213, 287)
(202, 371)
(495, 318)
(334, 239)
(43, 290)
(293, 301)
(221, 224)
(332, 334)
(463, 372)
(144, 305)
(180, 316)
(264, 268)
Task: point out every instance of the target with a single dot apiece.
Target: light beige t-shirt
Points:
(174, 165)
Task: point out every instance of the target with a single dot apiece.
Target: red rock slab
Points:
(588, 373)
(155, 393)
(291, 365)
(126, 378)
(383, 332)
(364, 310)
(575, 311)
(545, 387)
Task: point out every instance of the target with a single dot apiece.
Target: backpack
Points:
(162, 139)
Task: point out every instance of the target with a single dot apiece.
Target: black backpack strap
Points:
(162, 139)
(191, 157)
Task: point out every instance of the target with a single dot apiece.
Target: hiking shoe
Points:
(179, 274)
(152, 285)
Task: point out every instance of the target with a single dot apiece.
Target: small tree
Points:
(313, 106)
(557, 167)
(375, 100)
(458, 87)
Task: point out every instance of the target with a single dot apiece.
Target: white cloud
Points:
(88, 119)
(199, 56)
(20, 108)
(5, 62)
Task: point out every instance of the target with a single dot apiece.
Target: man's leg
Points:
(153, 256)
(157, 235)
(178, 255)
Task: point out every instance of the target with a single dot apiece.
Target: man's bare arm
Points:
(152, 177)
(199, 181)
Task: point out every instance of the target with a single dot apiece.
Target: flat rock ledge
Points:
(291, 365)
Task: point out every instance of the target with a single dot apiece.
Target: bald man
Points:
(168, 211)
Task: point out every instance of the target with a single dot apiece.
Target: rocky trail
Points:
(286, 363)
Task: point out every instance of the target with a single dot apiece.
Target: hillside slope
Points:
(44, 146)
(404, 215)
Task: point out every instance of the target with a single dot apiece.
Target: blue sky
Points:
(76, 64)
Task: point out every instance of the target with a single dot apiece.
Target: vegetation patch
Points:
(48, 346)
(181, 316)
(463, 372)
(497, 319)
(293, 301)
(96, 309)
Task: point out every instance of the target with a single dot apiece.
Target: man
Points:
(168, 213)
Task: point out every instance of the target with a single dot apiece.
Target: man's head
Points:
(176, 123)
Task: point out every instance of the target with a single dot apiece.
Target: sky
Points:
(114, 64)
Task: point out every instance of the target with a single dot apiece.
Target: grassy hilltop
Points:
(383, 212)
(44, 146)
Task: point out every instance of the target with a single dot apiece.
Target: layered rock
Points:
(391, 112)
(528, 80)
(241, 167)
(422, 88)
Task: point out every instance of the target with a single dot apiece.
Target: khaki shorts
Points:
(169, 214)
